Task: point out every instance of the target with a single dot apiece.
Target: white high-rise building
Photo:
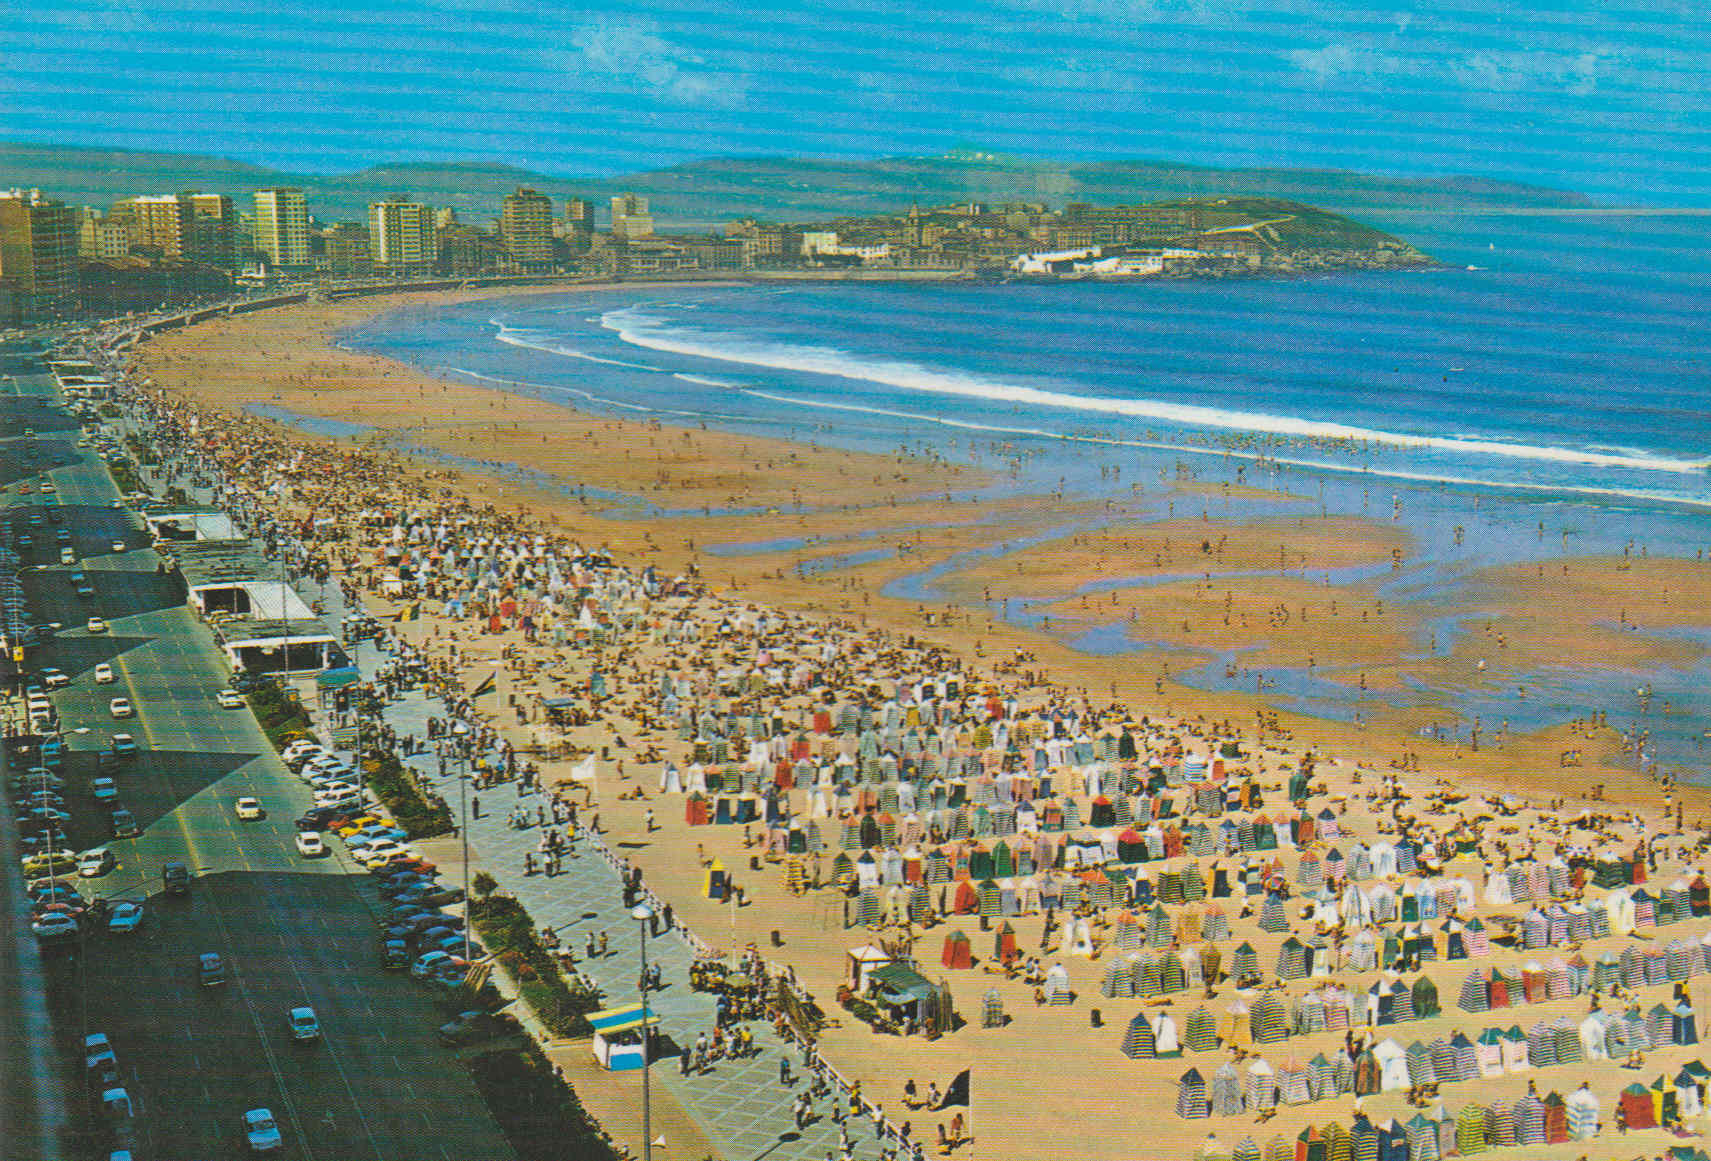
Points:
(401, 235)
(630, 217)
(282, 226)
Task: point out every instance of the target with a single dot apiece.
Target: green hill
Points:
(775, 188)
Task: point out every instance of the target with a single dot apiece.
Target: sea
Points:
(1545, 391)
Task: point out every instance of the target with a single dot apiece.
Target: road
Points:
(292, 931)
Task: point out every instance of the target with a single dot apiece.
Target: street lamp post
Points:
(458, 731)
(643, 914)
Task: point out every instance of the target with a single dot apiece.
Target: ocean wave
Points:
(650, 332)
(1364, 470)
(560, 388)
(703, 380)
(519, 337)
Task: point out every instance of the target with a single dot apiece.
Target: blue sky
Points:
(1612, 99)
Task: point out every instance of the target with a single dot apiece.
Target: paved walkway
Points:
(738, 1103)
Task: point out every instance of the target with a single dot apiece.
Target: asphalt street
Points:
(292, 931)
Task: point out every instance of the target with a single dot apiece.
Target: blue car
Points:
(376, 830)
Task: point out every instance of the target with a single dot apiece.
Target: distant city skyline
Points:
(1606, 100)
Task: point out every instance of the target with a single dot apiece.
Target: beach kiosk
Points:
(618, 1039)
(864, 961)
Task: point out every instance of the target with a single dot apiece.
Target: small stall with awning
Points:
(618, 1035)
(902, 991)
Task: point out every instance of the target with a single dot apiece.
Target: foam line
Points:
(1255, 457)
(514, 337)
(651, 333)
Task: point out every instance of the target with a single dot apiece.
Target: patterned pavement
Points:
(739, 1104)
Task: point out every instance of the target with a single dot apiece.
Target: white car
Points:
(303, 1024)
(384, 855)
(120, 707)
(94, 862)
(104, 674)
(249, 809)
(262, 1132)
(53, 925)
(298, 748)
(309, 844)
(229, 699)
(54, 678)
(96, 625)
(119, 546)
(126, 918)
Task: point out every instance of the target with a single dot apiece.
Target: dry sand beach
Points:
(1050, 1083)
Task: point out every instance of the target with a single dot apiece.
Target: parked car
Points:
(309, 844)
(55, 678)
(120, 707)
(103, 789)
(104, 674)
(94, 862)
(249, 809)
(229, 699)
(394, 955)
(96, 625)
(54, 925)
(434, 963)
(124, 823)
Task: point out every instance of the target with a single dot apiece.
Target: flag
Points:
(957, 1093)
(486, 686)
(409, 612)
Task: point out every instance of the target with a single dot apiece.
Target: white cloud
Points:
(1344, 60)
(1477, 72)
(1576, 73)
(633, 51)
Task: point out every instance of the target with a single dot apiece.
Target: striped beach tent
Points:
(1200, 1031)
(1261, 1088)
(1139, 1042)
(1191, 1095)
(1470, 1130)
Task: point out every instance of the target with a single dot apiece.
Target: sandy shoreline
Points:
(1050, 1072)
(287, 358)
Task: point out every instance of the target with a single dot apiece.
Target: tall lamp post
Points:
(643, 914)
(459, 730)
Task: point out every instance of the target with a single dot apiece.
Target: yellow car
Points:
(358, 823)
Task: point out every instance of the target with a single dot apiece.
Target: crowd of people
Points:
(940, 792)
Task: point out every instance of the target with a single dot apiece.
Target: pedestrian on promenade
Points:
(784, 1072)
(474, 804)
